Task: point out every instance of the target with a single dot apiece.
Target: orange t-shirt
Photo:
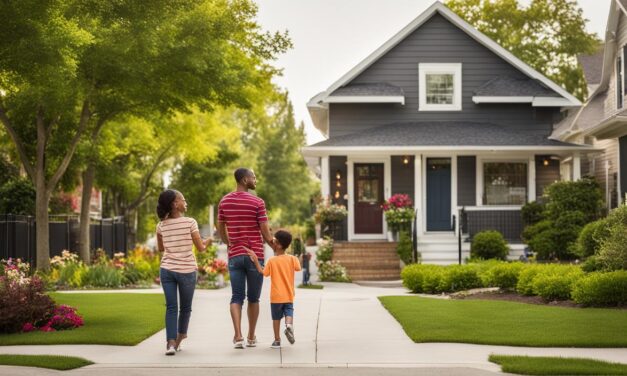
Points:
(281, 270)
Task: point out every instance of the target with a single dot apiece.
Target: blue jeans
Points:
(184, 284)
(280, 310)
(242, 271)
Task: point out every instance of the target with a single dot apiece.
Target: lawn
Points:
(507, 323)
(110, 319)
(61, 363)
(311, 287)
(526, 365)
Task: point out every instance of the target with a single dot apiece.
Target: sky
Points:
(332, 36)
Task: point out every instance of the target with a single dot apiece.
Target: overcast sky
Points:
(332, 36)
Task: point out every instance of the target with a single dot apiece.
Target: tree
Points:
(548, 35)
(67, 67)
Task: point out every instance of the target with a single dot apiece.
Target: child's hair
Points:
(164, 206)
(284, 238)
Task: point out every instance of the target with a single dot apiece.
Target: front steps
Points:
(368, 260)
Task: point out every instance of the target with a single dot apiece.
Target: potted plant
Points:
(399, 214)
(330, 216)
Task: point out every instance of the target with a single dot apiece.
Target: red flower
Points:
(28, 327)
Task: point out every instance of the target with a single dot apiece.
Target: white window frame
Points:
(440, 68)
(481, 161)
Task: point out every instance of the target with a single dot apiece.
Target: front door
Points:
(368, 198)
(439, 194)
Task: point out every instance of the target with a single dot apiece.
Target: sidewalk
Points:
(343, 325)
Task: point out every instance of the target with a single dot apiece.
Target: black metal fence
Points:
(17, 236)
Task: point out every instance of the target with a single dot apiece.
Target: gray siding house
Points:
(444, 114)
(602, 120)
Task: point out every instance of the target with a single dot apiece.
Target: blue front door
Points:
(439, 194)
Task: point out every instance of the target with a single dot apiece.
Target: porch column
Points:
(576, 166)
(532, 179)
(324, 177)
(418, 190)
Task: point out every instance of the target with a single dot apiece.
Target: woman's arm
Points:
(160, 242)
(201, 245)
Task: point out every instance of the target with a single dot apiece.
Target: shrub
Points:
(404, 248)
(413, 277)
(556, 286)
(458, 278)
(591, 264)
(22, 298)
(582, 196)
(532, 213)
(17, 197)
(103, 275)
(601, 289)
(488, 245)
(325, 250)
(433, 280)
(613, 250)
(332, 271)
(502, 275)
(590, 237)
(524, 285)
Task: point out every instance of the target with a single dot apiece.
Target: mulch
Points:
(513, 297)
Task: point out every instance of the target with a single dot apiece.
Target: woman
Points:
(175, 236)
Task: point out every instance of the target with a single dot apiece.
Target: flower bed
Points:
(549, 281)
(328, 270)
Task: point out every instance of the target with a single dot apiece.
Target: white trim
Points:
(368, 150)
(492, 207)
(454, 193)
(494, 159)
(440, 68)
(552, 102)
(325, 182)
(501, 99)
(350, 189)
(418, 191)
(577, 167)
(531, 179)
(364, 99)
(464, 26)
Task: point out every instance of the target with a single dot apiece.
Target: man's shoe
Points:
(276, 345)
(251, 342)
(289, 333)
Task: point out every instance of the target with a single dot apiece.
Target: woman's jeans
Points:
(185, 283)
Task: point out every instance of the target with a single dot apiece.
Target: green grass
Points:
(61, 363)
(311, 286)
(507, 323)
(110, 319)
(526, 365)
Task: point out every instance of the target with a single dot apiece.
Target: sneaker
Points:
(239, 344)
(276, 345)
(289, 333)
(251, 342)
(170, 351)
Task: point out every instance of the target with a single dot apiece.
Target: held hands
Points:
(252, 255)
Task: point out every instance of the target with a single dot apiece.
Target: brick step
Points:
(375, 277)
(365, 258)
(368, 263)
(373, 268)
(365, 245)
(367, 253)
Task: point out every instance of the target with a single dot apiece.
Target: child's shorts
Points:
(281, 309)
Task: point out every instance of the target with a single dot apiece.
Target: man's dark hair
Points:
(241, 173)
(284, 238)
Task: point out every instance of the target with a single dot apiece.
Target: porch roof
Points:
(373, 89)
(514, 87)
(443, 134)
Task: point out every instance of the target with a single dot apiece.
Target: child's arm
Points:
(255, 259)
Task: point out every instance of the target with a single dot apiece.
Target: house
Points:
(446, 115)
(602, 120)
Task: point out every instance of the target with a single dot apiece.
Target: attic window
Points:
(440, 87)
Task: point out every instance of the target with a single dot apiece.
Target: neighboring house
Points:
(602, 120)
(444, 114)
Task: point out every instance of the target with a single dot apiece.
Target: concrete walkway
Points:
(343, 325)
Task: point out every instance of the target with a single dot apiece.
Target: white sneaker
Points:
(239, 344)
(289, 333)
(251, 342)
(170, 351)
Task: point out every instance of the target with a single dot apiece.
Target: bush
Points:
(591, 264)
(458, 278)
(502, 275)
(524, 285)
(488, 245)
(332, 271)
(583, 196)
(555, 286)
(601, 289)
(613, 250)
(17, 197)
(532, 213)
(404, 248)
(325, 250)
(590, 237)
(103, 275)
(22, 299)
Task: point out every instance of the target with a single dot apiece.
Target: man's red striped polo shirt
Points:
(243, 213)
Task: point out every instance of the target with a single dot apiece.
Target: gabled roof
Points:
(316, 104)
(592, 66)
(381, 89)
(509, 86)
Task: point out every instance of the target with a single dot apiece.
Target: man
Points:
(243, 224)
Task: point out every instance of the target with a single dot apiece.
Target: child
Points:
(280, 269)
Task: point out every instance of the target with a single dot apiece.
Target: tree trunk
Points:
(84, 233)
(42, 227)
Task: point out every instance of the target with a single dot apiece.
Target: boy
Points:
(280, 269)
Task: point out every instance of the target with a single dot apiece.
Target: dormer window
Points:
(440, 87)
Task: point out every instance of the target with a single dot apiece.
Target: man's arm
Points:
(223, 233)
(266, 233)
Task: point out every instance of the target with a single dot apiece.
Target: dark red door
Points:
(368, 198)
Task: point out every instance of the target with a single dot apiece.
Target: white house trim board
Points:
(535, 101)
(384, 150)
(425, 69)
(324, 177)
(365, 99)
(350, 189)
(463, 25)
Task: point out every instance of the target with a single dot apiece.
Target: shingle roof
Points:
(514, 87)
(374, 89)
(445, 133)
(592, 66)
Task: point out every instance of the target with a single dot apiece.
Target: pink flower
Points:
(28, 327)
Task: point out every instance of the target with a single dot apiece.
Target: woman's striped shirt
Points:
(176, 234)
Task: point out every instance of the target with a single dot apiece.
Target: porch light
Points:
(338, 184)
(338, 175)
(337, 195)
(545, 162)
(405, 160)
